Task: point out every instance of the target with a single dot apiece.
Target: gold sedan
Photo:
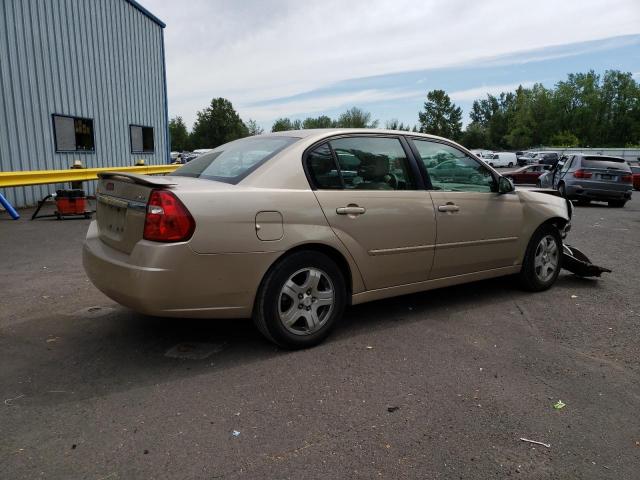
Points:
(290, 228)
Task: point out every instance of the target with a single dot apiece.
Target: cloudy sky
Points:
(274, 58)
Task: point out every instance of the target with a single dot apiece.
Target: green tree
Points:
(564, 139)
(440, 116)
(475, 136)
(254, 128)
(318, 122)
(285, 124)
(178, 135)
(356, 118)
(217, 124)
(394, 124)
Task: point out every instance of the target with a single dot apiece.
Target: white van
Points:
(502, 159)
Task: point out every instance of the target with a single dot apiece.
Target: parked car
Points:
(482, 153)
(635, 172)
(268, 227)
(585, 177)
(548, 158)
(527, 158)
(501, 159)
(527, 175)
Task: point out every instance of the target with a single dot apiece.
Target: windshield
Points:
(235, 160)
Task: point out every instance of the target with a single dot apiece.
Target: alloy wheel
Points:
(306, 301)
(546, 258)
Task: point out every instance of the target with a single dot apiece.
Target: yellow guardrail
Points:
(39, 177)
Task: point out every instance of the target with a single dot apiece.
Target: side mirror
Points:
(505, 185)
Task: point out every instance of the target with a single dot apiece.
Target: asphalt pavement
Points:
(437, 385)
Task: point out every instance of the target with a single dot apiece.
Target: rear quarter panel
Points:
(226, 222)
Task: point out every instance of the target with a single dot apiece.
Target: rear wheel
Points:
(300, 300)
(541, 264)
(617, 203)
(510, 164)
(583, 202)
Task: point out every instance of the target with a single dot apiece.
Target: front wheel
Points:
(300, 300)
(510, 164)
(541, 265)
(617, 203)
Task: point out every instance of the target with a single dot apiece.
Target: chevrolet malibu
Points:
(290, 228)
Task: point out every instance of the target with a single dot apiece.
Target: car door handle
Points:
(350, 210)
(449, 207)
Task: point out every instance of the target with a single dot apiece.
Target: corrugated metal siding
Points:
(99, 59)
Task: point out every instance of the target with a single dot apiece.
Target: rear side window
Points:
(363, 163)
(635, 170)
(235, 160)
(322, 168)
(605, 163)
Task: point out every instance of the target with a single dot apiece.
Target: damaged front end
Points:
(573, 259)
(578, 263)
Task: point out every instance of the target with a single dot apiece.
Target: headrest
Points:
(373, 167)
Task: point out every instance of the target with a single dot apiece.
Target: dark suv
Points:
(591, 177)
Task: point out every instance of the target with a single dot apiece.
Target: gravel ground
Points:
(434, 385)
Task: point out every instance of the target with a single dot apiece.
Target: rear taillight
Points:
(626, 178)
(167, 220)
(582, 174)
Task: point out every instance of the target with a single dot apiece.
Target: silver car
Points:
(585, 178)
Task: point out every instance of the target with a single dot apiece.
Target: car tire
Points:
(491, 164)
(542, 263)
(616, 203)
(510, 164)
(295, 323)
(584, 202)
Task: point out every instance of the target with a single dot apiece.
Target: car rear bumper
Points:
(171, 280)
(591, 193)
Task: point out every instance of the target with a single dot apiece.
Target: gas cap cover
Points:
(269, 226)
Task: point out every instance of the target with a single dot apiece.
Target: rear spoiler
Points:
(139, 179)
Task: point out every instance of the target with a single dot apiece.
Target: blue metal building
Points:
(79, 80)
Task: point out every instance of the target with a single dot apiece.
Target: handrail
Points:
(40, 177)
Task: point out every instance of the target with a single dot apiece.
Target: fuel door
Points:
(269, 226)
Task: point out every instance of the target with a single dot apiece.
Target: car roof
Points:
(329, 132)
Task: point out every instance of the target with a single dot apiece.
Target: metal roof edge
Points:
(146, 12)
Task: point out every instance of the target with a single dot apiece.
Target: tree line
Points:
(586, 109)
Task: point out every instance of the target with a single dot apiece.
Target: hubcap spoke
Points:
(291, 290)
(312, 281)
(290, 316)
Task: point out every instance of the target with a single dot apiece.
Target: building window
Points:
(73, 134)
(141, 139)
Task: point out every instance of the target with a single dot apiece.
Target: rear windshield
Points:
(235, 160)
(611, 163)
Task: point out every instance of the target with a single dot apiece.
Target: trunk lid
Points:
(121, 206)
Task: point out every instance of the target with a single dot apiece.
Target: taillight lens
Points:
(167, 220)
(582, 174)
(627, 178)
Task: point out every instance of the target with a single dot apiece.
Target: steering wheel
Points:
(391, 180)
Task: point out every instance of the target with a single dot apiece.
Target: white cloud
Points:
(480, 92)
(322, 103)
(254, 50)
